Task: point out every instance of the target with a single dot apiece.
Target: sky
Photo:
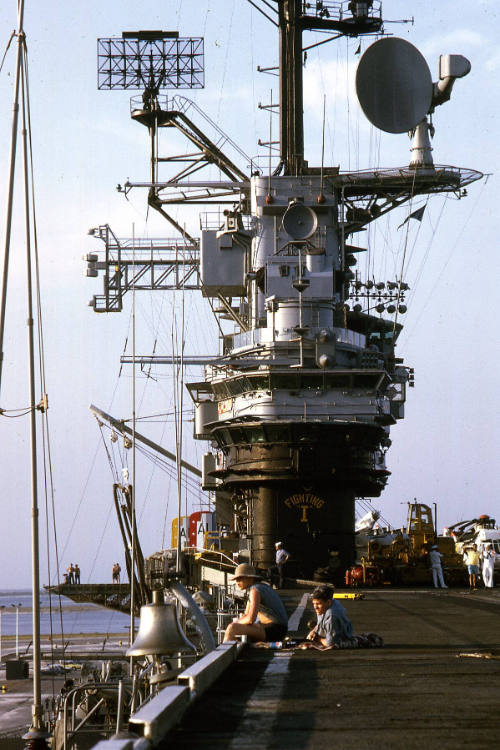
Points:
(84, 143)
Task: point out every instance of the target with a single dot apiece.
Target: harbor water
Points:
(58, 614)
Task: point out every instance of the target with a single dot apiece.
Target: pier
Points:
(114, 596)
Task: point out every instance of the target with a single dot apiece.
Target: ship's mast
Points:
(293, 20)
(36, 735)
(291, 91)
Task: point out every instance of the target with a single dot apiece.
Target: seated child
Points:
(333, 627)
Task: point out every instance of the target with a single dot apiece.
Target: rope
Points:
(14, 33)
(229, 36)
(404, 255)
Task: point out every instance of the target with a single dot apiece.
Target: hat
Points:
(434, 546)
(245, 571)
(278, 544)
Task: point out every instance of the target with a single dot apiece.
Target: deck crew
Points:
(333, 627)
(265, 617)
(437, 571)
(282, 557)
(488, 565)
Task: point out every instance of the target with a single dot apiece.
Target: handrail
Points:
(166, 709)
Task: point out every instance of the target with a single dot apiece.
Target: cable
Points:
(452, 250)
(14, 33)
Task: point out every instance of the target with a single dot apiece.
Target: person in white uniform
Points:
(437, 571)
(488, 566)
(282, 557)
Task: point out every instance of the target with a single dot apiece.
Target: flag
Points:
(358, 51)
(415, 215)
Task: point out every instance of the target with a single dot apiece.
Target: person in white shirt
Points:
(282, 558)
(488, 566)
(437, 571)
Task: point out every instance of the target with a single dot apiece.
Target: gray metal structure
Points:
(299, 405)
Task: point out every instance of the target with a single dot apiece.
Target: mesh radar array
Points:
(150, 60)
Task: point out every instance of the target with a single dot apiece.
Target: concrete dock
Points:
(435, 684)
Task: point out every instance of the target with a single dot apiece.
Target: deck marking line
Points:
(295, 617)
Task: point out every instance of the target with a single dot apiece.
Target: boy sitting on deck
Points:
(333, 627)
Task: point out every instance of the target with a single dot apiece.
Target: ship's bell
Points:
(160, 632)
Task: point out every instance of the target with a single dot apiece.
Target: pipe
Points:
(187, 601)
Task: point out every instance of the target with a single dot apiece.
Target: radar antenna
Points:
(396, 92)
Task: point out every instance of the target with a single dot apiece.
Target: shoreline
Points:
(57, 641)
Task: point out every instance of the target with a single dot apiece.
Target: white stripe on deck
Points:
(295, 618)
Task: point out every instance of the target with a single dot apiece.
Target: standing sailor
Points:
(437, 571)
(488, 566)
(282, 557)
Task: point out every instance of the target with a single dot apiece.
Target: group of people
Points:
(72, 574)
(115, 571)
(265, 618)
(472, 560)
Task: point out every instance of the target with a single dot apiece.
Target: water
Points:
(77, 617)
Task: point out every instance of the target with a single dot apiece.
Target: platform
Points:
(114, 596)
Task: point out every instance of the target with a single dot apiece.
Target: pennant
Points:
(418, 214)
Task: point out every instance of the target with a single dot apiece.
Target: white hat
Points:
(278, 544)
(244, 570)
(434, 546)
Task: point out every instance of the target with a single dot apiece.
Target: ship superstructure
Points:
(298, 406)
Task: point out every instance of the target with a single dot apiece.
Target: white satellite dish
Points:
(394, 85)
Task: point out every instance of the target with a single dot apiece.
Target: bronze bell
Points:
(160, 632)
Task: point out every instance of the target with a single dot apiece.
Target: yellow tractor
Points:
(402, 556)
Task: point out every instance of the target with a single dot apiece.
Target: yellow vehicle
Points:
(401, 556)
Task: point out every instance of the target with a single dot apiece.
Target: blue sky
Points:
(445, 451)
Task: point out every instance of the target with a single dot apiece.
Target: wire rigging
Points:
(445, 265)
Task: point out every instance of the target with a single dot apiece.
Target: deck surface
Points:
(419, 691)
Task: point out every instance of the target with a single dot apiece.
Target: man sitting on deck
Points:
(265, 617)
(333, 627)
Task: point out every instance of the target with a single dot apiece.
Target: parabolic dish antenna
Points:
(300, 221)
(394, 85)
